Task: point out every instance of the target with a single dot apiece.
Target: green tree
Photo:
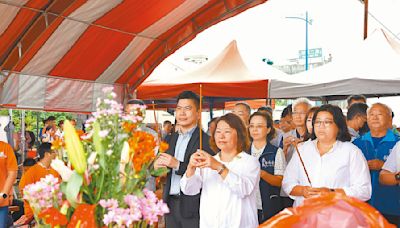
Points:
(34, 119)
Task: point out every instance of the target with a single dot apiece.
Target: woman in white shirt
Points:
(332, 162)
(228, 181)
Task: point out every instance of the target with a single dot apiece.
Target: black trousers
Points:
(287, 202)
(261, 219)
(174, 218)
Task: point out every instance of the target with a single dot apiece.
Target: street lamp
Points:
(307, 22)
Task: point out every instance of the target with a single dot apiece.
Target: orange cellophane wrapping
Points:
(329, 210)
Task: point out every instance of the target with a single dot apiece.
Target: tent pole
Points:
(23, 139)
(37, 126)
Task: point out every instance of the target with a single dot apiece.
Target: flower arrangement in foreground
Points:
(111, 165)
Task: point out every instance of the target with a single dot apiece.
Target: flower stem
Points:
(100, 188)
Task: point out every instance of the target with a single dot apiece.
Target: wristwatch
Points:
(4, 195)
(397, 176)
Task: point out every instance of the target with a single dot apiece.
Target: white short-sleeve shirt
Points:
(344, 166)
(392, 163)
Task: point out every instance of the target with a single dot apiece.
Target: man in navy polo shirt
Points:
(376, 146)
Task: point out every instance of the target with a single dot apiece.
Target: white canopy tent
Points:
(371, 69)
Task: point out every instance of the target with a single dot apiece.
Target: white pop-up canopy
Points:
(370, 69)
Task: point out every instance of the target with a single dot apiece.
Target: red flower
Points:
(53, 217)
(83, 217)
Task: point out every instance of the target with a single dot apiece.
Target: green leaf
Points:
(73, 187)
(159, 172)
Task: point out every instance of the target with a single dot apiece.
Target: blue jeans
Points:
(3, 217)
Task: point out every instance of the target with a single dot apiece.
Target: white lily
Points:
(92, 158)
(124, 160)
(61, 169)
(125, 153)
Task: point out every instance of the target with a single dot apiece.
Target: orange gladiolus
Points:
(57, 144)
(163, 147)
(128, 127)
(142, 144)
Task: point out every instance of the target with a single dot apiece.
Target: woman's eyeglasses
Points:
(326, 123)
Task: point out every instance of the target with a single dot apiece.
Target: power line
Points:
(384, 26)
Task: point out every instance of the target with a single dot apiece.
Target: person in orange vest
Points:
(40, 170)
(8, 174)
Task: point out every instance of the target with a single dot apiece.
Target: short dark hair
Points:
(167, 122)
(355, 97)
(247, 106)
(61, 122)
(135, 101)
(265, 109)
(236, 123)
(268, 120)
(357, 109)
(43, 149)
(29, 162)
(338, 118)
(51, 118)
(191, 96)
(287, 111)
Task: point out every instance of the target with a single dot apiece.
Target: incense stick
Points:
(302, 163)
(201, 107)
(156, 122)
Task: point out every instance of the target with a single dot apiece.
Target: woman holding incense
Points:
(328, 162)
(228, 181)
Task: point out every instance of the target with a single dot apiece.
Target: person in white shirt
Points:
(228, 181)
(331, 161)
(390, 174)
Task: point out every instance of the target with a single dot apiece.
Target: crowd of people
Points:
(247, 167)
(36, 164)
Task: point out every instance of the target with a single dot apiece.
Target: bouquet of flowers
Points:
(111, 165)
(43, 194)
